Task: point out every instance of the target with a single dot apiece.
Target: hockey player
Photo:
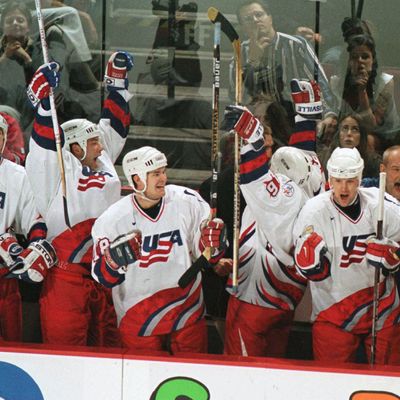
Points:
(18, 214)
(261, 312)
(337, 251)
(74, 308)
(154, 313)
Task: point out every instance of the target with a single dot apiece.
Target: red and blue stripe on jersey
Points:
(253, 165)
(304, 135)
(165, 311)
(75, 245)
(354, 312)
(43, 132)
(116, 109)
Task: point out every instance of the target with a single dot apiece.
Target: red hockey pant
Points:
(10, 311)
(191, 339)
(257, 330)
(330, 343)
(76, 310)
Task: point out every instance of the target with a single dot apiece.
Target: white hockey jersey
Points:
(89, 192)
(147, 298)
(266, 275)
(344, 297)
(18, 211)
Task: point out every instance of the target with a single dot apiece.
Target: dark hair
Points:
(354, 26)
(362, 146)
(262, 3)
(16, 5)
(357, 41)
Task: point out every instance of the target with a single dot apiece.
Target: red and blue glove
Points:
(46, 77)
(213, 235)
(34, 262)
(384, 253)
(243, 122)
(312, 258)
(116, 75)
(10, 249)
(124, 250)
(306, 97)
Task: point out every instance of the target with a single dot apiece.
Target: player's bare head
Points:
(293, 163)
(3, 133)
(139, 163)
(391, 165)
(80, 132)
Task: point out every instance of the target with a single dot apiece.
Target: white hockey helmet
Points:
(345, 163)
(293, 163)
(79, 131)
(4, 127)
(140, 162)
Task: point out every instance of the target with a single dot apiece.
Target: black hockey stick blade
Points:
(191, 273)
(215, 16)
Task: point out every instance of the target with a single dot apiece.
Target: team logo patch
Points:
(288, 190)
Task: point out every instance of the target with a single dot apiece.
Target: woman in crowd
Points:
(351, 133)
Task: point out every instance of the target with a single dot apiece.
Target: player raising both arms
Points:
(74, 308)
(260, 314)
(18, 214)
(154, 313)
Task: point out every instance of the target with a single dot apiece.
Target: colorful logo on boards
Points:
(15, 384)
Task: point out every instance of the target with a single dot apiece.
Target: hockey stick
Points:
(215, 153)
(42, 34)
(202, 262)
(215, 16)
(379, 235)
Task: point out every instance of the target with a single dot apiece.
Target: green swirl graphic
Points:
(180, 388)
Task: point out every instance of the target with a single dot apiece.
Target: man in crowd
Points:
(272, 59)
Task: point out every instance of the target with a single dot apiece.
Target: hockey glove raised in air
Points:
(116, 75)
(46, 77)
(243, 122)
(306, 97)
(124, 250)
(34, 262)
(312, 258)
(384, 253)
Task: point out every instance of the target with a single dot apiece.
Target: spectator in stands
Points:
(21, 54)
(351, 133)
(366, 91)
(272, 59)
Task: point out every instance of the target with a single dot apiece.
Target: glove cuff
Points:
(115, 83)
(308, 110)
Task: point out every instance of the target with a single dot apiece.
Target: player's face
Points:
(256, 22)
(344, 190)
(94, 149)
(349, 133)
(392, 169)
(156, 181)
(361, 60)
(16, 25)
